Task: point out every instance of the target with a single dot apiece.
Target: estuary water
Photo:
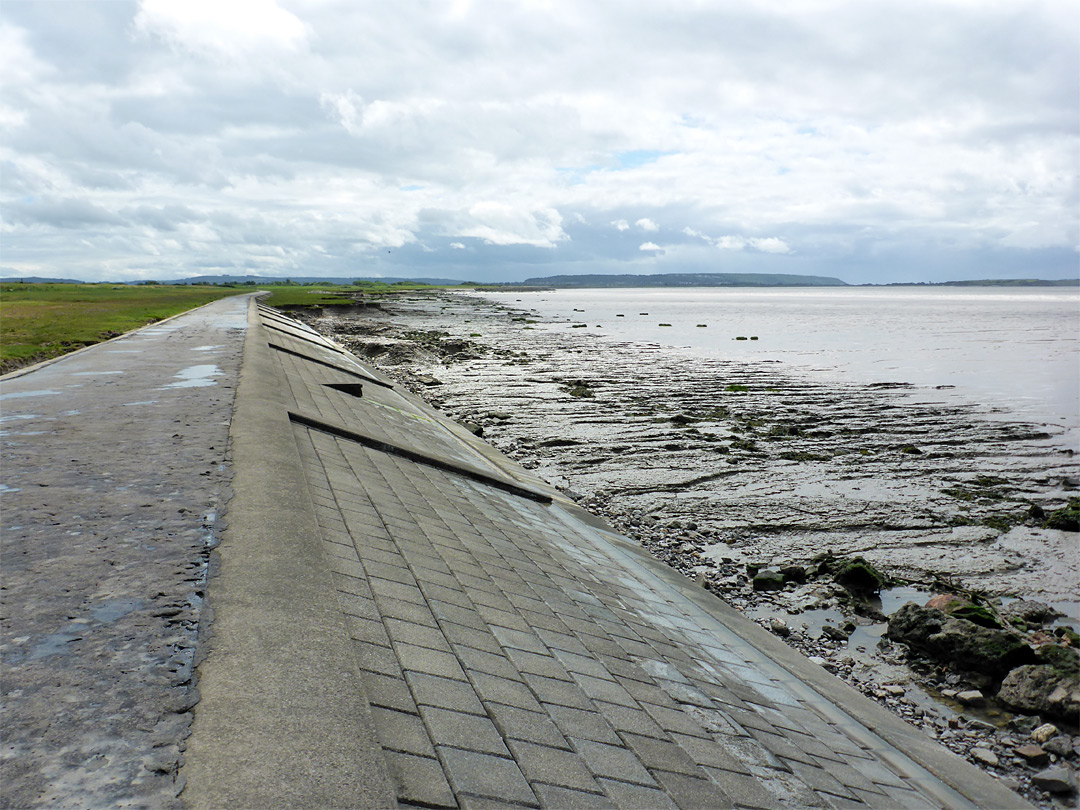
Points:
(1016, 351)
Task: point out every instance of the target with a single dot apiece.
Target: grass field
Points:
(41, 321)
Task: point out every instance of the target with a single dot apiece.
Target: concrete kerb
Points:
(283, 721)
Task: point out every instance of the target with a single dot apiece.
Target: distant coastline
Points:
(586, 281)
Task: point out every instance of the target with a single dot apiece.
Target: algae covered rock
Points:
(1042, 689)
(859, 577)
(1066, 519)
(959, 643)
(768, 579)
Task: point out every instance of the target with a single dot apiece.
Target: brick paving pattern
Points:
(517, 653)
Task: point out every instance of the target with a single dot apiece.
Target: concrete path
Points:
(403, 616)
(113, 473)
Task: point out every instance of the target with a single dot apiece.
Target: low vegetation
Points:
(42, 321)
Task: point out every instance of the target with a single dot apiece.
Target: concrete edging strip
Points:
(283, 721)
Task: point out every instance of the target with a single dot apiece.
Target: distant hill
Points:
(307, 280)
(1014, 282)
(687, 280)
(239, 280)
(39, 280)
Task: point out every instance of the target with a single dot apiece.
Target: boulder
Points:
(960, 643)
(859, 577)
(1055, 780)
(794, 573)
(1041, 689)
(1029, 611)
(1066, 519)
(768, 579)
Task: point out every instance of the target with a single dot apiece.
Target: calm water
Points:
(1016, 350)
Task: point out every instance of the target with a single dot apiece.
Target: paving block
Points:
(554, 766)
(624, 718)
(422, 635)
(520, 724)
(398, 731)
(564, 693)
(606, 690)
(561, 798)
(744, 789)
(612, 761)
(688, 791)
(444, 693)
(519, 639)
(387, 691)
(589, 725)
(432, 662)
(492, 689)
(535, 664)
(662, 754)
(420, 780)
(460, 730)
(636, 797)
(486, 775)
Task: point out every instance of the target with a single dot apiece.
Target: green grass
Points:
(40, 321)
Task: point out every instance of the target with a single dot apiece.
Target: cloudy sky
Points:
(871, 140)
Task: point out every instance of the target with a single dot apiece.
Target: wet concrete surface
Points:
(713, 465)
(115, 475)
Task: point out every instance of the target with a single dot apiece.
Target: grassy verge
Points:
(40, 321)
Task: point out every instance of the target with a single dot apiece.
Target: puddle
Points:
(6, 488)
(140, 402)
(196, 377)
(23, 394)
(57, 643)
(13, 417)
(70, 413)
(114, 609)
(206, 348)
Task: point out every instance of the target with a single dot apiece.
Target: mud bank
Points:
(722, 468)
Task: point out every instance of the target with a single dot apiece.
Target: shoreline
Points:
(721, 466)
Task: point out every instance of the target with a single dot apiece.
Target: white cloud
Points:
(305, 134)
(457, 246)
(222, 28)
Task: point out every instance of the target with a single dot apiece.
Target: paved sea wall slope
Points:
(405, 615)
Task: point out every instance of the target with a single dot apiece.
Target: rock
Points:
(971, 697)
(859, 577)
(1041, 689)
(957, 642)
(963, 608)
(794, 573)
(768, 579)
(1044, 733)
(834, 633)
(1061, 745)
(427, 379)
(894, 689)
(780, 628)
(817, 659)
(1033, 755)
(1066, 519)
(1055, 780)
(1030, 611)
(984, 756)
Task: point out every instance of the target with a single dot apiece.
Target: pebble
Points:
(984, 756)
(971, 697)
(1033, 755)
(1044, 733)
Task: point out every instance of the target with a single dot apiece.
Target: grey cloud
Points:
(61, 213)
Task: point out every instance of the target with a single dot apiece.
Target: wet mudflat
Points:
(725, 468)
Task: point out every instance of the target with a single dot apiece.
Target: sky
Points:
(498, 140)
